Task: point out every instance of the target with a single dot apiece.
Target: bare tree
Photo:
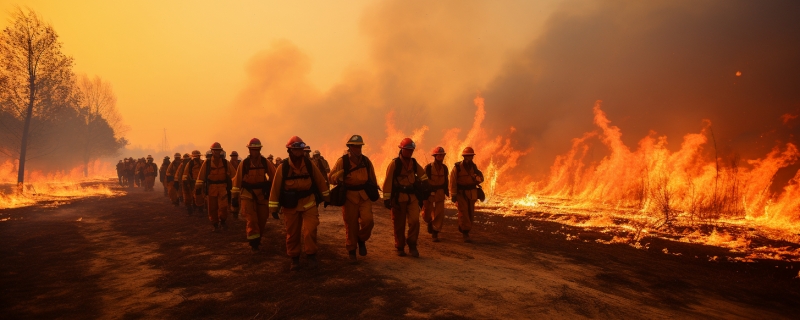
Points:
(98, 111)
(36, 78)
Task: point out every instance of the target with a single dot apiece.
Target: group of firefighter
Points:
(294, 187)
(137, 173)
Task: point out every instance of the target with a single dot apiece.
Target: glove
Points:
(453, 199)
(387, 203)
(275, 215)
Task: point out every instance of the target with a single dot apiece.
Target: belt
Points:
(405, 189)
(301, 194)
(257, 185)
(217, 181)
(356, 187)
(467, 186)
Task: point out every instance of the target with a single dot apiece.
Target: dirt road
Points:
(136, 256)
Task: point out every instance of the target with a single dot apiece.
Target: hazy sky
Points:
(174, 63)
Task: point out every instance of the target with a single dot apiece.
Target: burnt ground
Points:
(136, 256)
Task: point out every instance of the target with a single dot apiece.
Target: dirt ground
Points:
(137, 256)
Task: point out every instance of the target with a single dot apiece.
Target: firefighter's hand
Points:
(387, 203)
(275, 215)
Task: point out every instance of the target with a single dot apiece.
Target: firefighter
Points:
(139, 178)
(404, 177)
(130, 172)
(120, 170)
(433, 206)
(278, 160)
(464, 183)
(149, 172)
(270, 158)
(215, 175)
(251, 185)
(173, 183)
(162, 175)
(234, 202)
(358, 179)
(298, 187)
(307, 151)
(321, 163)
(191, 169)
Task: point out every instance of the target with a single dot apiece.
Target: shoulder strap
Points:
(368, 163)
(245, 166)
(310, 167)
(428, 169)
(346, 165)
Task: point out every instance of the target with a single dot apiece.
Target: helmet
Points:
(307, 149)
(269, 157)
(295, 143)
(468, 152)
(316, 152)
(438, 150)
(149, 157)
(407, 143)
(177, 155)
(278, 159)
(254, 144)
(195, 153)
(216, 146)
(166, 158)
(186, 156)
(234, 154)
(355, 140)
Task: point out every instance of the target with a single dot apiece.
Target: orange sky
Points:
(185, 61)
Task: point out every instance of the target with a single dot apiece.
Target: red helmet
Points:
(254, 144)
(468, 152)
(438, 150)
(216, 146)
(234, 154)
(196, 153)
(295, 143)
(407, 143)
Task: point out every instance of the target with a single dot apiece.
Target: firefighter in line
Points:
(433, 206)
(270, 158)
(465, 179)
(251, 185)
(191, 169)
(215, 175)
(162, 175)
(139, 178)
(321, 163)
(298, 188)
(357, 209)
(278, 161)
(150, 172)
(404, 177)
(233, 203)
(175, 193)
(120, 172)
(130, 172)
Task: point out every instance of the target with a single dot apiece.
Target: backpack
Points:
(429, 169)
(289, 199)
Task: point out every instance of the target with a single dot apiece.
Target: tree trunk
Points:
(24, 144)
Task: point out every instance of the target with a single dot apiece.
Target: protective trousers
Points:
(188, 194)
(166, 188)
(402, 213)
(433, 213)
(173, 193)
(217, 208)
(256, 213)
(149, 182)
(358, 221)
(301, 226)
(466, 210)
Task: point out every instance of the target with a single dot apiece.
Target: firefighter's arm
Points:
(275, 192)
(237, 181)
(337, 173)
(271, 170)
(231, 171)
(453, 184)
(387, 182)
(179, 173)
(322, 185)
(185, 174)
(198, 183)
(423, 176)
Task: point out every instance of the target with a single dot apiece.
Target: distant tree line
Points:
(49, 115)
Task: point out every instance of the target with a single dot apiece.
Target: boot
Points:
(254, 243)
(362, 248)
(222, 225)
(435, 236)
(430, 227)
(412, 250)
(466, 237)
(295, 264)
(216, 228)
(312, 261)
(401, 252)
(352, 254)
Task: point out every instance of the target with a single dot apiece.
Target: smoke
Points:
(658, 66)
